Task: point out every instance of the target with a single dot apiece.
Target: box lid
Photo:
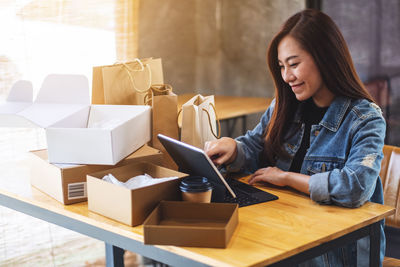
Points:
(59, 96)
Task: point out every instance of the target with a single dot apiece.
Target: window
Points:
(39, 37)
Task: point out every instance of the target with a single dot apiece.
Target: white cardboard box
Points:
(72, 126)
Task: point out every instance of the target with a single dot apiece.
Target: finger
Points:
(221, 158)
(212, 150)
(209, 146)
(206, 146)
(259, 171)
(254, 180)
(250, 181)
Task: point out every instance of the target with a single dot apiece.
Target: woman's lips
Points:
(296, 87)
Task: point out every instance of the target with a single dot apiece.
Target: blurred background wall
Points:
(214, 46)
(372, 31)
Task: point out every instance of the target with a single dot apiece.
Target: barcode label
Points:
(77, 190)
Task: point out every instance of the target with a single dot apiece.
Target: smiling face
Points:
(298, 69)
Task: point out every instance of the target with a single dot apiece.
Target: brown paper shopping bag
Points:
(199, 121)
(164, 105)
(125, 83)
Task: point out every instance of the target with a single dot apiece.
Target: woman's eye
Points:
(294, 64)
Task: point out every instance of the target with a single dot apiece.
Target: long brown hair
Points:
(321, 38)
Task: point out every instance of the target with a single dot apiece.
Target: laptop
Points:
(194, 161)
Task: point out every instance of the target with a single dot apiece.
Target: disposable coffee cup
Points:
(196, 189)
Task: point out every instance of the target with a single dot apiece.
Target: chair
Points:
(380, 92)
(379, 88)
(390, 175)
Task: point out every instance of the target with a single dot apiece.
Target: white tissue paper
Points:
(137, 181)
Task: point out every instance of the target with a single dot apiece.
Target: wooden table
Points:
(282, 232)
(231, 108)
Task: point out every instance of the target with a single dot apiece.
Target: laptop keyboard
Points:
(245, 194)
(241, 199)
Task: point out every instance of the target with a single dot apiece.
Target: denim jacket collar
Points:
(333, 116)
(335, 113)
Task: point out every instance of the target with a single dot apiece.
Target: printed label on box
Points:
(77, 190)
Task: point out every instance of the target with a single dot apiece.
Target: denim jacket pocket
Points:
(319, 166)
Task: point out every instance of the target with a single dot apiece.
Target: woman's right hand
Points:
(221, 151)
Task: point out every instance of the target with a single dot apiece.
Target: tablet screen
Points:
(193, 161)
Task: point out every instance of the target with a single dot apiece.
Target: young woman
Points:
(322, 135)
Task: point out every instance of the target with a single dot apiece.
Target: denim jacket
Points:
(343, 162)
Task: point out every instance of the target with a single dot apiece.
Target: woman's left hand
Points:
(272, 175)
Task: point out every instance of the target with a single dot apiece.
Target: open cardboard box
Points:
(67, 182)
(131, 206)
(77, 132)
(191, 224)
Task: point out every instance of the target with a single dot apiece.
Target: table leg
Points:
(114, 256)
(374, 244)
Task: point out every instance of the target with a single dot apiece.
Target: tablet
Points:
(193, 160)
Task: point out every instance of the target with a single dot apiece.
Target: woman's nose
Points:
(288, 76)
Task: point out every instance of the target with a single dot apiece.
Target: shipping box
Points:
(131, 206)
(67, 183)
(77, 132)
(190, 224)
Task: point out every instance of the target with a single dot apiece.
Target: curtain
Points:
(126, 30)
(39, 37)
(63, 36)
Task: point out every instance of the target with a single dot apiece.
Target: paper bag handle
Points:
(129, 69)
(161, 88)
(209, 121)
(177, 117)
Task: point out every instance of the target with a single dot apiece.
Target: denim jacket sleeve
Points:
(250, 145)
(354, 184)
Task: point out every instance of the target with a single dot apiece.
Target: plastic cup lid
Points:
(195, 184)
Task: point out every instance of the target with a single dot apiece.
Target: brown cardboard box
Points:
(191, 224)
(131, 206)
(67, 183)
